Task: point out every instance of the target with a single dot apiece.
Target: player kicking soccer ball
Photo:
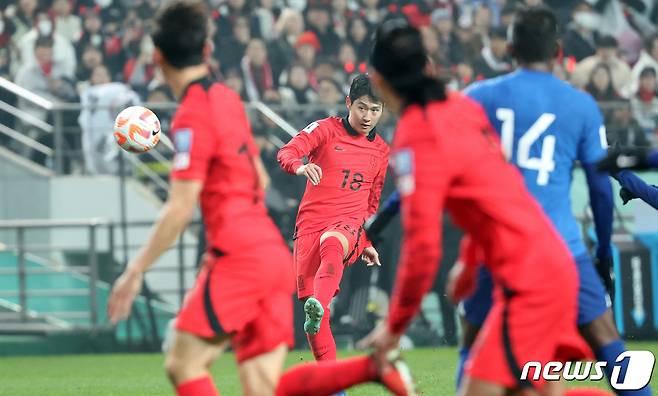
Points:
(446, 157)
(346, 168)
(243, 294)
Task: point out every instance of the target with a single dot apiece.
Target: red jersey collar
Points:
(353, 132)
(205, 81)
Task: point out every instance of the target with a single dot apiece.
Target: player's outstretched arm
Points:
(636, 188)
(174, 217)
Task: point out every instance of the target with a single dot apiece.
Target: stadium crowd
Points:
(292, 53)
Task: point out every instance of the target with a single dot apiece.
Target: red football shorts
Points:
(532, 324)
(307, 253)
(247, 295)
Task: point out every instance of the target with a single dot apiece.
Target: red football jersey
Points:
(214, 144)
(353, 172)
(446, 156)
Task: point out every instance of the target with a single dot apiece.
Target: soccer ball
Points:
(137, 129)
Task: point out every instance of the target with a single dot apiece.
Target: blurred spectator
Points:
(357, 35)
(645, 103)
(319, 22)
(140, 70)
(606, 53)
(7, 29)
(348, 61)
(63, 51)
(101, 101)
(581, 36)
(339, 13)
(325, 67)
(66, 24)
(233, 80)
(615, 22)
(600, 84)
(287, 29)
(432, 45)
(493, 60)
(330, 96)
(256, 70)
(263, 20)
(232, 48)
(306, 48)
(228, 14)
(22, 17)
(45, 76)
(648, 58)
(507, 15)
(91, 30)
(297, 91)
(91, 57)
(622, 129)
(464, 74)
(469, 42)
(482, 20)
(372, 11)
(448, 41)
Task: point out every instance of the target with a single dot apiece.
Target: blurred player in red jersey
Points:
(446, 157)
(346, 167)
(243, 294)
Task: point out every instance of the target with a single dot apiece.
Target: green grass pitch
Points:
(142, 374)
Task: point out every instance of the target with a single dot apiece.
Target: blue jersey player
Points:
(546, 126)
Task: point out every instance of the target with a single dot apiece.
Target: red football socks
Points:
(202, 386)
(323, 344)
(325, 285)
(328, 276)
(326, 378)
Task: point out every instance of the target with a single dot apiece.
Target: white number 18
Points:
(544, 165)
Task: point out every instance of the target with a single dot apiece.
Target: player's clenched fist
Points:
(311, 171)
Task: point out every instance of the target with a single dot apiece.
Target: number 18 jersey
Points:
(353, 172)
(545, 126)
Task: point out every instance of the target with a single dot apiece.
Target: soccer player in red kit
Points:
(346, 167)
(446, 157)
(243, 293)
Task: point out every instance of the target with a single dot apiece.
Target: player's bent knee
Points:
(341, 238)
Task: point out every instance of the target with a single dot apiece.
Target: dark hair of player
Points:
(362, 86)
(399, 56)
(535, 35)
(180, 30)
